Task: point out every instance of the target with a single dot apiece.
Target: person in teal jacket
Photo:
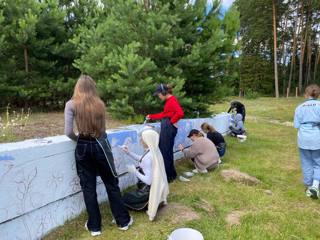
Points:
(307, 121)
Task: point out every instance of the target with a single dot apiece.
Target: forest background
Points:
(207, 52)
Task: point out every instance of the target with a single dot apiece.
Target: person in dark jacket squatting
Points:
(170, 116)
(93, 154)
(152, 188)
(215, 137)
(239, 107)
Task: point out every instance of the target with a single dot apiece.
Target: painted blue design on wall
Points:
(122, 137)
(6, 158)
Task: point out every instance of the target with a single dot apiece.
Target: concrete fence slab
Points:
(39, 187)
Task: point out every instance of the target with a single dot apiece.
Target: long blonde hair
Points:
(90, 111)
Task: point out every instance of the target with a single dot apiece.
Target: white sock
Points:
(315, 183)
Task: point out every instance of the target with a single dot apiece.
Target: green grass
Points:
(269, 108)
(270, 154)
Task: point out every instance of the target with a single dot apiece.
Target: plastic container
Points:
(185, 234)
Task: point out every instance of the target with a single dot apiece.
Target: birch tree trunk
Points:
(276, 81)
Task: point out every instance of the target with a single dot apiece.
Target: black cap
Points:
(161, 88)
(193, 132)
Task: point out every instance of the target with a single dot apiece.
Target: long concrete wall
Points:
(39, 187)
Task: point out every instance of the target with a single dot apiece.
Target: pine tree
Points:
(37, 59)
(135, 47)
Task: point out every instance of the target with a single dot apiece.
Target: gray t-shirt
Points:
(204, 153)
(69, 114)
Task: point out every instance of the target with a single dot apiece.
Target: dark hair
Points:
(199, 134)
(195, 132)
(313, 90)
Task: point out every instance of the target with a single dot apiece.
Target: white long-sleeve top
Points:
(145, 164)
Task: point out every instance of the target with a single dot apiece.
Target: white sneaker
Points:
(308, 193)
(93, 233)
(125, 228)
(195, 171)
(183, 179)
(199, 171)
(188, 174)
(203, 171)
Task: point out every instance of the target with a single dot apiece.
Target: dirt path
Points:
(42, 125)
(273, 121)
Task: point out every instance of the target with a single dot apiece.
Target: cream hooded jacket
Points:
(159, 188)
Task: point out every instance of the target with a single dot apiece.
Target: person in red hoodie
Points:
(170, 116)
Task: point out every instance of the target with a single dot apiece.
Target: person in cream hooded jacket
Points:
(159, 188)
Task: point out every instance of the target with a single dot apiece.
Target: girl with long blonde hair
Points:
(93, 154)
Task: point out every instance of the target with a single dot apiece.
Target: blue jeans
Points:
(90, 162)
(221, 149)
(310, 164)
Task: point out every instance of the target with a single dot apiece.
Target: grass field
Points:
(270, 154)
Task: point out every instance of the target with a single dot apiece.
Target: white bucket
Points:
(185, 234)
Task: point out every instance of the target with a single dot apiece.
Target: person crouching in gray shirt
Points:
(202, 151)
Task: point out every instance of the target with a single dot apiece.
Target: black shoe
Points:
(170, 180)
(314, 192)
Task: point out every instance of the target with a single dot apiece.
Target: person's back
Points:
(216, 137)
(93, 154)
(307, 120)
(206, 153)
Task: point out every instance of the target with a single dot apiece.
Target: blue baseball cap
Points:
(160, 89)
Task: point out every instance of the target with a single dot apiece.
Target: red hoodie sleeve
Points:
(157, 116)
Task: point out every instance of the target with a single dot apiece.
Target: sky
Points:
(226, 3)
